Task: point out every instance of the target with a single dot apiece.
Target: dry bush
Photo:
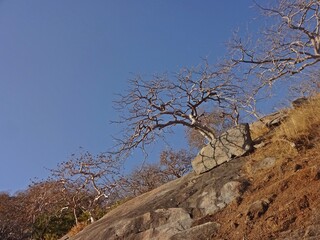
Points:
(77, 228)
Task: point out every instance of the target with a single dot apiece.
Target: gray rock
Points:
(229, 192)
(257, 209)
(266, 163)
(204, 231)
(208, 202)
(234, 143)
(299, 102)
(158, 224)
(171, 208)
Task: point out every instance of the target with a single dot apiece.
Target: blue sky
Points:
(62, 62)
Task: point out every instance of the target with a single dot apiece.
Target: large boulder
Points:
(197, 232)
(233, 143)
(155, 225)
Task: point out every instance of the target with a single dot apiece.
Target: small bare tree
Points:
(290, 45)
(172, 165)
(141, 180)
(175, 164)
(151, 108)
(89, 180)
(216, 120)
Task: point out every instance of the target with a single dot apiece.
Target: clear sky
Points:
(63, 61)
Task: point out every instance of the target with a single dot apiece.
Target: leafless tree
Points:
(290, 45)
(175, 164)
(151, 108)
(89, 180)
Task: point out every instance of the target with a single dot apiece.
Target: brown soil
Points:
(286, 198)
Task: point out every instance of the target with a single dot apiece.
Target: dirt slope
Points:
(281, 203)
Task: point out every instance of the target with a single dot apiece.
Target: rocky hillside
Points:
(270, 190)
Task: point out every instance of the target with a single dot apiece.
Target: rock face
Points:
(198, 232)
(234, 143)
(171, 211)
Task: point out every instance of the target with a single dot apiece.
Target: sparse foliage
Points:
(46, 199)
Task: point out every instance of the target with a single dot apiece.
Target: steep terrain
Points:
(281, 203)
(271, 193)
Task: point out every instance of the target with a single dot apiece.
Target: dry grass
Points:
(300, 130)
(280, 150)
(302, 123)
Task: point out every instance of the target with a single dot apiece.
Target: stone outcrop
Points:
(171, 211)
(158, 224)
(233, 143)
(202, 231)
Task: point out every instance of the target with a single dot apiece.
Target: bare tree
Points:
(290, 45)
(89, 180)
(172, 165)
(141, 180)
(33, 213)
(14, 220)
(151, 108)
(45, 202)
(175, 164)
(310, 85)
